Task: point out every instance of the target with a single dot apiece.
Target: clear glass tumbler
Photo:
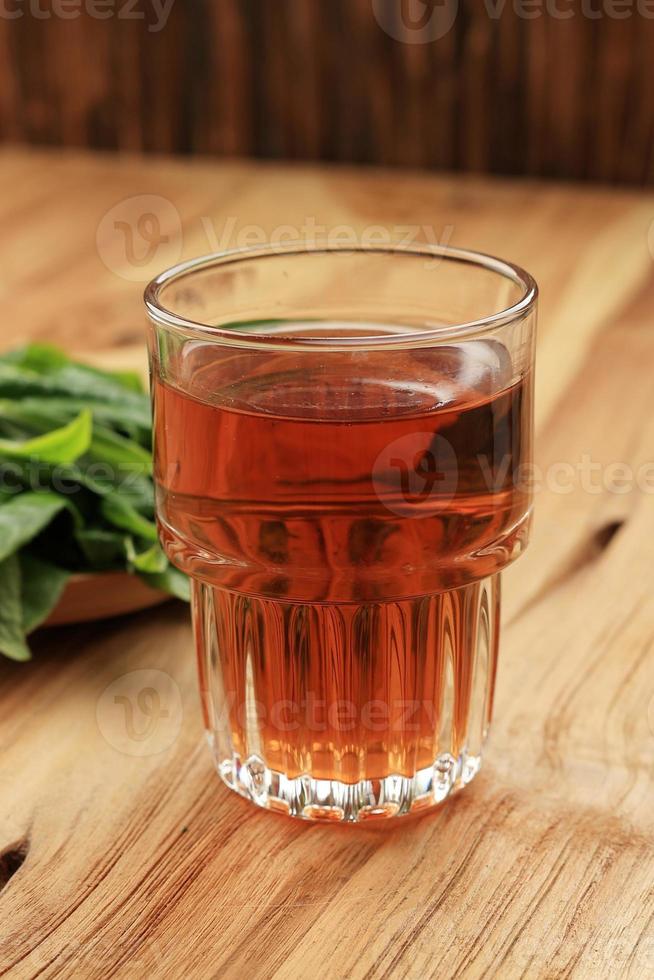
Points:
(342, 442)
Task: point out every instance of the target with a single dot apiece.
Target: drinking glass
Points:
(342, 442)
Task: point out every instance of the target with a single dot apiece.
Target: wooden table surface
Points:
(124, 854)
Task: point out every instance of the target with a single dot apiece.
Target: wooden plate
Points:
(102, 595)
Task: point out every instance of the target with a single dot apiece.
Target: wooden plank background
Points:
(567, 95)
(119, 865)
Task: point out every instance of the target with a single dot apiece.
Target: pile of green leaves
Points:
(76, 490)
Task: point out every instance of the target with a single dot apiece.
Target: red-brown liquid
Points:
(340, 512)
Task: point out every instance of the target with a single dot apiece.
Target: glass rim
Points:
(229, 334)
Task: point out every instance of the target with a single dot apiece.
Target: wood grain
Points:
(552, 89)
(123, 864)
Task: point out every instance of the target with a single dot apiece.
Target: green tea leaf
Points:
(47, 359)
(38, 357)
(65, 483)
(12, 632)
(10, 429)
(17, 382)
(6, 493)
(76, 439)
(102, 549)
(129, 380)
(38, 414)
(63, 445)
(153, 560)
(85, 381)
(257, 326)
(98, 478)
(70, 381)
(24, 516)
(119, 512)
(172, 581)
(42, 585)
(119, 452)
(138, 492)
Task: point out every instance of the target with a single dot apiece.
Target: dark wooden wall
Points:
(321, 80)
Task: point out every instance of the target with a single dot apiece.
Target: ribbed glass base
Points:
(347, 712)
(334, 801)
